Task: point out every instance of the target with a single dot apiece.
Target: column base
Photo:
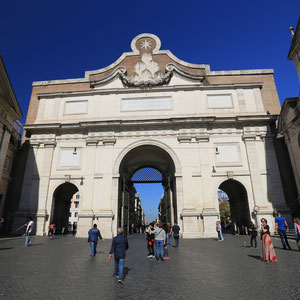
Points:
(104, 221)
(191, 219)
(20, 219)
(210, 217)
(41, 218)
(85, 223)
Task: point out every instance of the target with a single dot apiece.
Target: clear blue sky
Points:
(46, 40)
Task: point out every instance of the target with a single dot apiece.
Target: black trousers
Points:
(150, 249)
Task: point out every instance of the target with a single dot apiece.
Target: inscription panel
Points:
(142, 104)
(219, 101)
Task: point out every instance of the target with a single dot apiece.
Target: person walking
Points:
(29, 227)
(94, 234)
(297, 231)
(253, 234)
(169, 234)
(119, 247)
(267, 245)
(219, 231)
(175, 230)
(1, 224)
(150, 242)
(282, 228)
(160, 238)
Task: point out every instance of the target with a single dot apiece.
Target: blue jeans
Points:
(119, 267)
(176, 237)
(27, 240)
(159, 245)
(220, 235)
(283, 238)
(169, 239)
(93, 248)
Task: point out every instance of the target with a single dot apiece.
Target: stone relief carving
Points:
(146, 73)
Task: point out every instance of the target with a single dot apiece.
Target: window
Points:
(76, 214)
(7, 163)
(77, 196)
(76, 204)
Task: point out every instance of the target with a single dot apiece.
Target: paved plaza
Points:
(199, 269)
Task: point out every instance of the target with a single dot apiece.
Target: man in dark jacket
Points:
(119, 247)
(94, 234)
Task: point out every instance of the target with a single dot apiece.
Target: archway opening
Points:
(147, 189)
(65, 207)
(234, 207)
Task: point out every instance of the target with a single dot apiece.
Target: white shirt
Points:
(29, 227)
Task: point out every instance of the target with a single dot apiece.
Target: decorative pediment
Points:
(147, 66)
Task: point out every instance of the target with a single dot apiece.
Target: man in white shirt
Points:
(29, 227)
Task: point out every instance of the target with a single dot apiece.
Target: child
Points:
(150, 243)
(166, 251)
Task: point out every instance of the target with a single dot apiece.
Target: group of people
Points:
(160, 235)
(281, 224)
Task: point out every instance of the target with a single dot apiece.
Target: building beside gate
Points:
(10, 141)
(196, 130)
(289, 122)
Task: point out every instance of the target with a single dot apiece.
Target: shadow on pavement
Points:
(7, 248)
(280, 248)
(126, 271)
(256, 257)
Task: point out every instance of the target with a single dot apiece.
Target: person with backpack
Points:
(175, 230)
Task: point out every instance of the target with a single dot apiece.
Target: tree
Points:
(224, 212)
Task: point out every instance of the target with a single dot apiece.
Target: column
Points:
(259, 196)
(86, 212)
(29, 188)
(44, 178)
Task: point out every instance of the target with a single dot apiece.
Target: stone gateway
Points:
(202, 130)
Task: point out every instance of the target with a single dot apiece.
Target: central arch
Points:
(146, 164)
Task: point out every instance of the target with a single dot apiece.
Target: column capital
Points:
(249, 137)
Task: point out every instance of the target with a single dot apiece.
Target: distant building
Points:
(289, 121)
(74, 208)
(10, 138)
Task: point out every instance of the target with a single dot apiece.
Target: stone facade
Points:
(9, 136)
(199, 128)
(289, 122)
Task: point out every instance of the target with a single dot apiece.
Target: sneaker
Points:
(115, 275)
(166, 258)
(120, 280)
(149, 256)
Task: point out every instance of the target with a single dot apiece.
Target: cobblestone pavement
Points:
(199, 269)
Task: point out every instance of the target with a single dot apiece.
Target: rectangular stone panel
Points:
(68, 159)
(219, 101)
(228, 154)
(76, 107)
(140, 104)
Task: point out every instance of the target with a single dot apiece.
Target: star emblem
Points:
(145, 44)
